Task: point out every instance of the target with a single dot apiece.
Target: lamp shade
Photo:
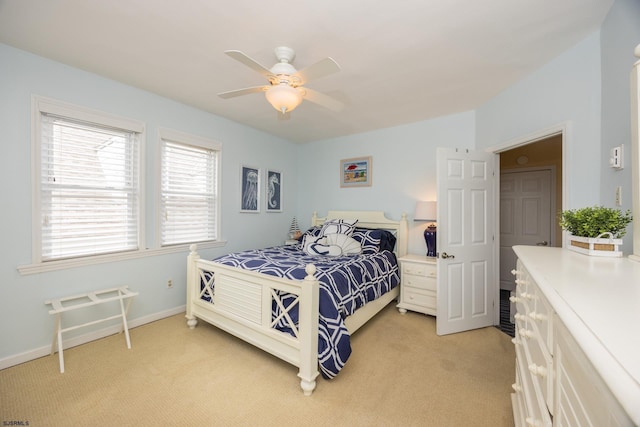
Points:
(283, 97)
(426, 211)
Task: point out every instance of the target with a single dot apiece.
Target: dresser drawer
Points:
(420, 282)
(517, 400)
(535, 407)
(539, 364)
(541, 316)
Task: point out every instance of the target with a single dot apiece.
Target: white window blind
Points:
(188, 193)
(89, 188)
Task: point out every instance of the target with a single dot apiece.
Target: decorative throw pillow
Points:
(320, 246)
(348, 245)
(314, 231)
(341, 226)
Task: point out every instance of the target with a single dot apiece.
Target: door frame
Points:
(563, 129)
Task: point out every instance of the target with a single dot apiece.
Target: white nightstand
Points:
(418, 284)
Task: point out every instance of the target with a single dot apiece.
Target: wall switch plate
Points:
(618, 196)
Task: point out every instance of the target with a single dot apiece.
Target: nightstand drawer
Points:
(426, 270)
(420, 298)
(426, 283)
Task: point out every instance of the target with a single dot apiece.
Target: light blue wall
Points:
(404, 170)
(620, 34)
(566, 90)
(586, 88)
(26, 324)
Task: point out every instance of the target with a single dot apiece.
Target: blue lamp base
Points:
(430, 239)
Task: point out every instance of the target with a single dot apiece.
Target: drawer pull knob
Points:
(514, 272)
(537, 316)
(539, 371)
(514, 299)
(526, 333)
(526, 295)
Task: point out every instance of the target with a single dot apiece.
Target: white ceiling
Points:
(401, 61)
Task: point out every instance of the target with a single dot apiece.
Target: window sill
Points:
(101, 259)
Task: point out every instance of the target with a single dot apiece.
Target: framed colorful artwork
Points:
(355, 172)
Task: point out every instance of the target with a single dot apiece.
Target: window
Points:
(87, 182)
(188, 189)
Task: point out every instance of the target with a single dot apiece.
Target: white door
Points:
(526, 216)
(466, 223)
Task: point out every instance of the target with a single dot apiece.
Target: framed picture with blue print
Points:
(250, 190)
(274, 191)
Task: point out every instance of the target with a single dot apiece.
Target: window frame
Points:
(41, 104)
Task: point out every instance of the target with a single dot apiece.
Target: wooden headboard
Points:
(373, 219)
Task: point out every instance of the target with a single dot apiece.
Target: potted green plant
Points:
(596, 230)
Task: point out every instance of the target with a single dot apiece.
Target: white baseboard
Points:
(91, 336)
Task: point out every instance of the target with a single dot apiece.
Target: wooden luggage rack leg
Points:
(87, 300)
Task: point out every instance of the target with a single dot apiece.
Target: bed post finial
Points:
(310, 269)
(308, 318)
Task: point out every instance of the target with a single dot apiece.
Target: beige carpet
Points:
(400, 373)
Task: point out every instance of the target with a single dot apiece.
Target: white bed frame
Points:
(242, 301)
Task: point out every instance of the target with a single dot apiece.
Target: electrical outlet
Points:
(169, 284)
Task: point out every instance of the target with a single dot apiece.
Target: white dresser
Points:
(577, 341)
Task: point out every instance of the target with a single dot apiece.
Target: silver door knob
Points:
(445, 255)
(543, 243)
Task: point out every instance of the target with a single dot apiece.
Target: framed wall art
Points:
(274, 191)
(250, 190)
(355, 172)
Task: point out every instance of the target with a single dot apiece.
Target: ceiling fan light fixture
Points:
(283, 97)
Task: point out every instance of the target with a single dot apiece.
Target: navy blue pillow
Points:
(374, 240)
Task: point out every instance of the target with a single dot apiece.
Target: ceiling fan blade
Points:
(322, 99)
(249, 62)
(240, 92)
(315, 71)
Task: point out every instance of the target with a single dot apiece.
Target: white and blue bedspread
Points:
(346, 284)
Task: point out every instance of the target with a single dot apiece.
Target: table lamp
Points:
(427, 211)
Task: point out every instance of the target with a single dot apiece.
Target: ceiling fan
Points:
(285, 90)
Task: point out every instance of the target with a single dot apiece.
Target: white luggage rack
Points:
(92, 298)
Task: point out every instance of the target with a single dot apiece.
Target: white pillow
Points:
(319, 246)
(348, 245)
(342, 226)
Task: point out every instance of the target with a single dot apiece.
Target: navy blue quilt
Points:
(346, 284)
